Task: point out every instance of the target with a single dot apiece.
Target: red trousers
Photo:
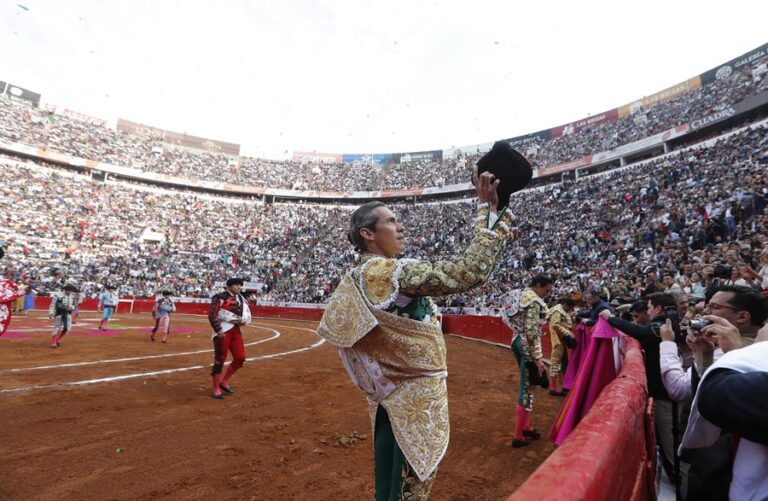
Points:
(231, 341)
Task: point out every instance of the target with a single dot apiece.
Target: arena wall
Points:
(612, 453)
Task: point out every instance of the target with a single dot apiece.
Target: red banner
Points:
(573, 127)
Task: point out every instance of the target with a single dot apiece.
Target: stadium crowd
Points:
(675, 220)
(39, 128)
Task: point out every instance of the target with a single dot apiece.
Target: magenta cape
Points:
(595, 371)
(581, 334)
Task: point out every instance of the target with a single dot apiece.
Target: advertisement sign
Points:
(22, 95)
(201, 143)
(522, 142)
(573, 127)
(138, 129)
(574, 164)
(659, 97)
(75, 115)
(315, 157)
(725, 70)
(178, 138)
(417, 156)
(372, 158)
(750, 103)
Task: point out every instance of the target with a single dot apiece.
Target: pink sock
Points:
(520, 419)
(216, 382)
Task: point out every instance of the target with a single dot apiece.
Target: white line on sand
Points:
(156, 373)
(275, 335)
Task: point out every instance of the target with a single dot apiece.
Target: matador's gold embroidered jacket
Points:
(384, 322)
(559, 324)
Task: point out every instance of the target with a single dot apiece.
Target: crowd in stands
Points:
(39, 128)
(677, 218)
(693, 104)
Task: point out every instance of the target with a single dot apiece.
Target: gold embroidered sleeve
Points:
(533, 332)
(472, 268)
(557, 324)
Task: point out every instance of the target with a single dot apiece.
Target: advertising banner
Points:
(313, 156)
(138, 129)
(660, 97)
(606, 116)
(750, 103)
(574, 164)
(417, 156)
(201, 143)
(725, 70)
(178, 138)
(75, 115)
(20, 94)
(373, 158)
(521, 142)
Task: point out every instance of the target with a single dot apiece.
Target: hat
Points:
(234, 281)
(166, 293)
(111, 287)
(507, 165)
(2, 253)
(71, 288)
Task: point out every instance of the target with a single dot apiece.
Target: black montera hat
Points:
(234, 281)
(111, 287)
(2, 253)
(166, 293)
(507, 165)
(70, 287)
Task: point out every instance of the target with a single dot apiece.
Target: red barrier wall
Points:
(611, 453)
(490, 329)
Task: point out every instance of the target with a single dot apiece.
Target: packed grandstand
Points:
(674, 183)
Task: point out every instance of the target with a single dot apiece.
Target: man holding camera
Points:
(661, 306)
(741, 306)
(733, 316)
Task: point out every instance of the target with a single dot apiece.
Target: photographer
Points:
(733, 316)
(732, 399)
(661, 306)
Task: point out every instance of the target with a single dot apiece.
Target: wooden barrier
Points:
(611, 453)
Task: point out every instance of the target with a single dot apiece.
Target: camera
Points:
(698, 323)
(674, 317)
(723, 271)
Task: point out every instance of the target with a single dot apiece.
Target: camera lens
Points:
(699, 323)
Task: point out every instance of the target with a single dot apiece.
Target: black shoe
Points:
(532, 434)
(520, 443)
(227, 389)
(217, 397)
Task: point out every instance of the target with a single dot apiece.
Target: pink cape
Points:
(595, 371)
(582, 336)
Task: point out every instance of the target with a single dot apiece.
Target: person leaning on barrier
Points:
(639, 312)
(660, 306)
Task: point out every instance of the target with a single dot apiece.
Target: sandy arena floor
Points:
(110, 415)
